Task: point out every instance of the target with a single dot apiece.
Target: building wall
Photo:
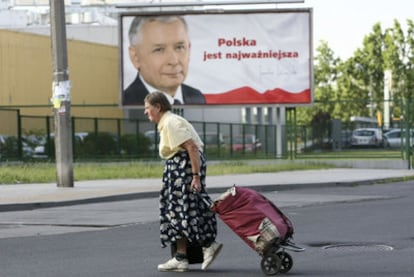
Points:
(26, 75)
(93, 62)
(101, 34)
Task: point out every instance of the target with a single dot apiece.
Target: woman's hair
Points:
(158, 98)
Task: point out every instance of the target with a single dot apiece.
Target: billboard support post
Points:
(280, 121)
(61, 96)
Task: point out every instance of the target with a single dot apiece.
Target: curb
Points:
(212, 190)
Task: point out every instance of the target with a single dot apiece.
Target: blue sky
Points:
(344, 23)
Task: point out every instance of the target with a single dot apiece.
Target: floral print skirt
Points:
(182, 212)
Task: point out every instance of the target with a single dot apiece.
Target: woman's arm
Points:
(195, 161)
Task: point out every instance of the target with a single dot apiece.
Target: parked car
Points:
(41, 151)
(249, 143)
(367, 137)
(396, 138)
(9, 147)
(2, 145)
(3, 139)
(154, 138)
(212, 140)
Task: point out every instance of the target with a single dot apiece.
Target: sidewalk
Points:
(31, 196)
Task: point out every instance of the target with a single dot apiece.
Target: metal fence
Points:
(25, 137)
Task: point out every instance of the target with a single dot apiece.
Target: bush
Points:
(132, 144)
(99, 144)
(9, 148)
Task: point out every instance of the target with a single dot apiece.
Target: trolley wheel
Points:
(271, 264)
(286, 261)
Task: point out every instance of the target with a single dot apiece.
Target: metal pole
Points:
(280, 121)
(387, 98)
(371, 97)
(407, 132)
(61, 96)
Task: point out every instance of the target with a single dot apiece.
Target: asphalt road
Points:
(347, 231)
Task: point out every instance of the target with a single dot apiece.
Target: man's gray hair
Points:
(139, 21)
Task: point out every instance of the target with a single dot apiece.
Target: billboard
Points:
(232, 58)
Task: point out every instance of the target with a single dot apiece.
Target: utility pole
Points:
(61, 96)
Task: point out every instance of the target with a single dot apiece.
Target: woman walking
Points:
(185, 219)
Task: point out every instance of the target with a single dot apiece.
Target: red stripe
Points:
(247, 95)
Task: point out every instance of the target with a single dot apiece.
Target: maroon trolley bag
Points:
(261, 225)
(254, 218)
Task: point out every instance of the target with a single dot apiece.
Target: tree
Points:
(395, 49)
(345, 89)
(325, 75)
(321, 128)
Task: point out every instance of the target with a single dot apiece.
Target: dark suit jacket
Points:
(135, 93)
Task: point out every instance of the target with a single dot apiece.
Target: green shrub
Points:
(132, 144)
(99, 144)
(9, 148)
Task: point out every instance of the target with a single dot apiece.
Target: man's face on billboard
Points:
(162, 54)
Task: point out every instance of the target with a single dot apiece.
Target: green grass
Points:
(353, 154)
(46, 172)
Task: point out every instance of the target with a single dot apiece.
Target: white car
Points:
(396, 138)
(367, 137)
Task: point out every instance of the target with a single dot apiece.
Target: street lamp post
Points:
(371, 104)
(371, 97)
(61, 96)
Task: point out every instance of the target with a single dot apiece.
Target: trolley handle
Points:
(208, 202)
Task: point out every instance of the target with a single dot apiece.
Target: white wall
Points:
(9, 19)
(107, 35)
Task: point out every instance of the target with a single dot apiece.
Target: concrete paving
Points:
(32, 196)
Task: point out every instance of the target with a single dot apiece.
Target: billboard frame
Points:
(206, 3)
